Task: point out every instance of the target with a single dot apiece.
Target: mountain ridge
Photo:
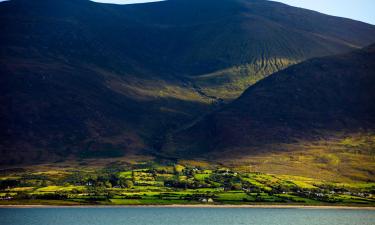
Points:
(306, 101)
(86, 79)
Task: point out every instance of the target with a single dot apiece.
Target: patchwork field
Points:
(184, 182)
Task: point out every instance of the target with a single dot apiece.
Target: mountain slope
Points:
(308, 101)
(201, 40)
(86, 79)
(225, 47)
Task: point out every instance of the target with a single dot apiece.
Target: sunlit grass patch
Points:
(3, 194)
(53, 174)
(195, 163)
(201, 176)
(126, 174)
(232, 196)
(10, 178)
(339, 158)
(257, 184)
(302, 182)
(165, 169)
(20, 189)
(163, 177)
(150, 183)
(60, 188)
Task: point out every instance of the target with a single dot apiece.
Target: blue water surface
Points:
(183, 216)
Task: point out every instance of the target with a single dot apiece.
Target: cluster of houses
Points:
(321, 194)
(6, 198)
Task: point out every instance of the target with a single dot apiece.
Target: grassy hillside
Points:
(86, 79)
(336, 158)
(314, 100)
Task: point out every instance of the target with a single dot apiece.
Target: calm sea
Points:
(184, 216)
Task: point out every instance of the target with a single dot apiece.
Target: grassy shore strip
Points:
(174, 184)
(197, 206)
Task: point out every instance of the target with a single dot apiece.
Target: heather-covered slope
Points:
(88, 79)
(305, 102)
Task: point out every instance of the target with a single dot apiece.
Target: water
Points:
(184, 216)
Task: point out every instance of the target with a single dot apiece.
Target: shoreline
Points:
(195, 206)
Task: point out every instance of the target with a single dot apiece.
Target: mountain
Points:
(86, 79)
(313, 100)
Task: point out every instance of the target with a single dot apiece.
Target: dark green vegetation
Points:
(184, 183)
(86, 80)
(320, 99)
(145, 87)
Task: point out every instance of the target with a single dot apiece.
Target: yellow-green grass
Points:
(201, 176)
(164, 177)
(231, 82)
(195, 163)
(264, 181)
(257, 184)
(352, 199)
(302, 182)
(355, 186)
(3, 194)
(21, 189)
(347, 158)
(143, 175)
(146, 188)
(182, 178)
(166, 169)
(206, 190)
(179, 168)
(126, 174)
(60, 188)
(207, 171)
(232, 196)
(150, 183)
(53, 173)
(141, 193)
(10, 178)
